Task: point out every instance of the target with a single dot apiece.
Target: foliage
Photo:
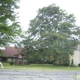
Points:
(11, 63)
(52, 36)
(9, 27)
(79, 64)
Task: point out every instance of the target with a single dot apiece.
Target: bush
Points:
(66, 64)
(74, 65)
(11, 63)
(79, 64)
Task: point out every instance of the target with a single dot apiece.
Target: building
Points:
(76, 56)
(12, 54)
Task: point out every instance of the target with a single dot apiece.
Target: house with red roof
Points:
(12, 54)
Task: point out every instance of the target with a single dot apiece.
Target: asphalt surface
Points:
(37, 75)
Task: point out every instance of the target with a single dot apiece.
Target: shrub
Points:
(79, 64)
(11, 63)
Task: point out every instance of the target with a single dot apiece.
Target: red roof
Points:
(11, 51)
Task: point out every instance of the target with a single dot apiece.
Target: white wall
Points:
(76, 56)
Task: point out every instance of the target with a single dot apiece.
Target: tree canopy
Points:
(52, 35)
(9, 26)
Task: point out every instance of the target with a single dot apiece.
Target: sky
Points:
(28, 9)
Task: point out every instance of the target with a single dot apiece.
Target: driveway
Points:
(37, 75)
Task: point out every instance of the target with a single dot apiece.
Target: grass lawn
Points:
(38, 67)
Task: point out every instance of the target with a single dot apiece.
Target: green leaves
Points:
(52, 34)
(9, 27)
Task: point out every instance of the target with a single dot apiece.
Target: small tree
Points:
(72, 62)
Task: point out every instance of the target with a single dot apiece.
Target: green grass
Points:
(38, 67)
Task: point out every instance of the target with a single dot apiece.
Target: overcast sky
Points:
(28, 9)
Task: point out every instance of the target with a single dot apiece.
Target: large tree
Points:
(52, 34)
(9, 26)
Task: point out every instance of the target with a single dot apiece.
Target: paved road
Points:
(37, 75)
